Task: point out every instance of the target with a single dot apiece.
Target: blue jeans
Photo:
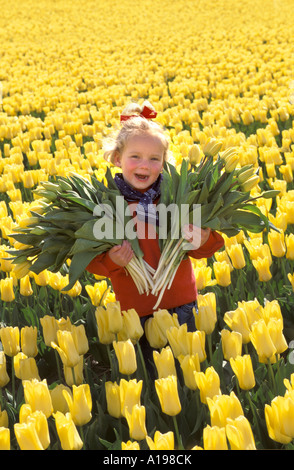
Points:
(185, 315)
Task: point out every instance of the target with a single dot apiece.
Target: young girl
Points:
(140, 150)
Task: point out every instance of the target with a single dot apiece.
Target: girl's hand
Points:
(195, 235)
(121, 254)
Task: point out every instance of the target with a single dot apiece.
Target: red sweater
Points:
(182, 291)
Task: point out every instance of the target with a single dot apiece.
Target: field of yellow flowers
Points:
(70, 379)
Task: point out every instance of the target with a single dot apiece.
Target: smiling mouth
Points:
(142, 177)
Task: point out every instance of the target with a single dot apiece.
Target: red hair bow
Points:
(147, 113)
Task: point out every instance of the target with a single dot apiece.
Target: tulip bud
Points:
(250, 183)
(80, 404)
(276, 242)
(231, 163)
(67, 432)
(126, 356)
(167, 392)
(212, 148)
(237, 321)
(244, 175)
(136, 422)
(194, 154)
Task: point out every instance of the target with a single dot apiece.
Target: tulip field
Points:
(72, 371)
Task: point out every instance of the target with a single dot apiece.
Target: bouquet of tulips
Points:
(66, 229)
(221, 191)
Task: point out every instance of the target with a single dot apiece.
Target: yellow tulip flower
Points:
(208, 383)
(4, 377)
(136, 422)
(236, 255)
(113, 311)
(4, 422)
(74, 375)
(243, 369)
(131, 328)
(167, 392)
(25, 287)
(130, 394)
(104, 334)
(262, 341)
(239, 434)
(66, 348)
(4, 438)
(189, 365)
(130, 445)
(154, 335)
(231, 344)
(214, 438)
(28, 340)
(37, 395)
(67, 432)
(40, 423)
(206, 317)
(277, 244)
(6, 289)
(80, 339)
(126, 356)
(262, 266)
(161, 441)
(112, 392)
(59, 402)
(25, 367)
(222, 407)
(50, 328)
(164, 362)
(79, 403)
(237, 321)
(222, 273)
(27, 436)
(10, 340)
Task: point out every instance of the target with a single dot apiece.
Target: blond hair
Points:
(135, 125)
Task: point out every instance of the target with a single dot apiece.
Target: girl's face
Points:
(141, 161)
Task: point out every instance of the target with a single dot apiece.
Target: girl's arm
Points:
(114, 259)
(206, 242)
